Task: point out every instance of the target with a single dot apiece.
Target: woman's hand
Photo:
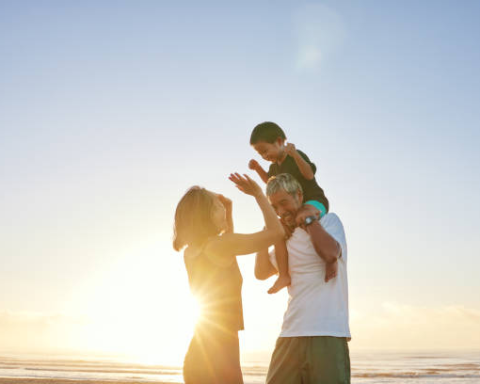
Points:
(227, 203)
(246, 184)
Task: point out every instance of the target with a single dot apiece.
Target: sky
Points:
(111, 110)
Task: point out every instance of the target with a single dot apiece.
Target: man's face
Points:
(286, 206)
(269, 151)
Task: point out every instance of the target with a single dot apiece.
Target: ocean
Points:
(459, 367)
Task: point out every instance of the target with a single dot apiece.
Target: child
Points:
(268, 139)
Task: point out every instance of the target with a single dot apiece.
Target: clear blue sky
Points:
(109, 111)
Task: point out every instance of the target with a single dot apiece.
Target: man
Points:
(312, 346)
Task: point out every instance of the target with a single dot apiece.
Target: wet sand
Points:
(63, 381)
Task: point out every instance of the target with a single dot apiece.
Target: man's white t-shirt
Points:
(316, 308)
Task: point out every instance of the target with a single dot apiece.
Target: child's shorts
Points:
(319, 206)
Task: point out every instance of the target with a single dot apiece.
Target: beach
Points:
(60, 381)
(368, 367)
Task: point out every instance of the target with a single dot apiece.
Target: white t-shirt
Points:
(316, 308)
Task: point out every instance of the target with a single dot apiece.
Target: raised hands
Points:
(246, 184)
(253, 165)
(227, 203)
(290, 149)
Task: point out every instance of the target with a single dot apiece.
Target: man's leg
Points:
(287, 360)
(328, 361)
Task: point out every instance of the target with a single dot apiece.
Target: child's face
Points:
(270, 151)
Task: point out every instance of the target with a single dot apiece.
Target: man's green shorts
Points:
(310, 360)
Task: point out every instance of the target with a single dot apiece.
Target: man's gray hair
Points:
(285, 182)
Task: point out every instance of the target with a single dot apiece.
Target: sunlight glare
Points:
(141, 307)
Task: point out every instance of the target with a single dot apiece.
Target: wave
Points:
(450, 368)
(415, 375)
(136, 371)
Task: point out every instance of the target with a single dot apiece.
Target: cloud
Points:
(319, 32)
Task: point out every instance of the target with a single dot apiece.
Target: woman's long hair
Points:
(193, 218)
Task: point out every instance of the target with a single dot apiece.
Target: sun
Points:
(141, 307)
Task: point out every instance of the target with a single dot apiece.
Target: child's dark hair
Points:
(267, 132)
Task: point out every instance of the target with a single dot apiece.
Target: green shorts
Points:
(310, 360)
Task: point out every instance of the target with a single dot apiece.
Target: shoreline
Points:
(19, 380)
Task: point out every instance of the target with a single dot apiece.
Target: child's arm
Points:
(254, 166)
(305, 168)
(325, 245)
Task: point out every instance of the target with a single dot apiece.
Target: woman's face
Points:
(218, 214)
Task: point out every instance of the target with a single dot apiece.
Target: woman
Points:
(203, 223)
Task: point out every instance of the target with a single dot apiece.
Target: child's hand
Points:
(290, 149)
(253, 165)
(246, 184)
(331, 270)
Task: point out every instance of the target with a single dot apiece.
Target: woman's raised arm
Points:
(233, 244)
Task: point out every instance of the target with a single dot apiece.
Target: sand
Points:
(63, 381)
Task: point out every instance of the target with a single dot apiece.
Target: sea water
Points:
(459, 367)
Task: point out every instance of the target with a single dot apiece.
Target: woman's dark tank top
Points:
(218, 290)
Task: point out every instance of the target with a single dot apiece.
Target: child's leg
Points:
(283, 280)
(331, 269)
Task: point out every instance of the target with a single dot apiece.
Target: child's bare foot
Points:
(281, 282)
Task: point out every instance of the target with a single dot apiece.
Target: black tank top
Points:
(219, 292)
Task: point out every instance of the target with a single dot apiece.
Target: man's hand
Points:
(290, 149)
(331, 270)
(304, 212)
(253, 165)
(246, 184)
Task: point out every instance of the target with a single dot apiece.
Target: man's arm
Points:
(263, 267)
(325, 245)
